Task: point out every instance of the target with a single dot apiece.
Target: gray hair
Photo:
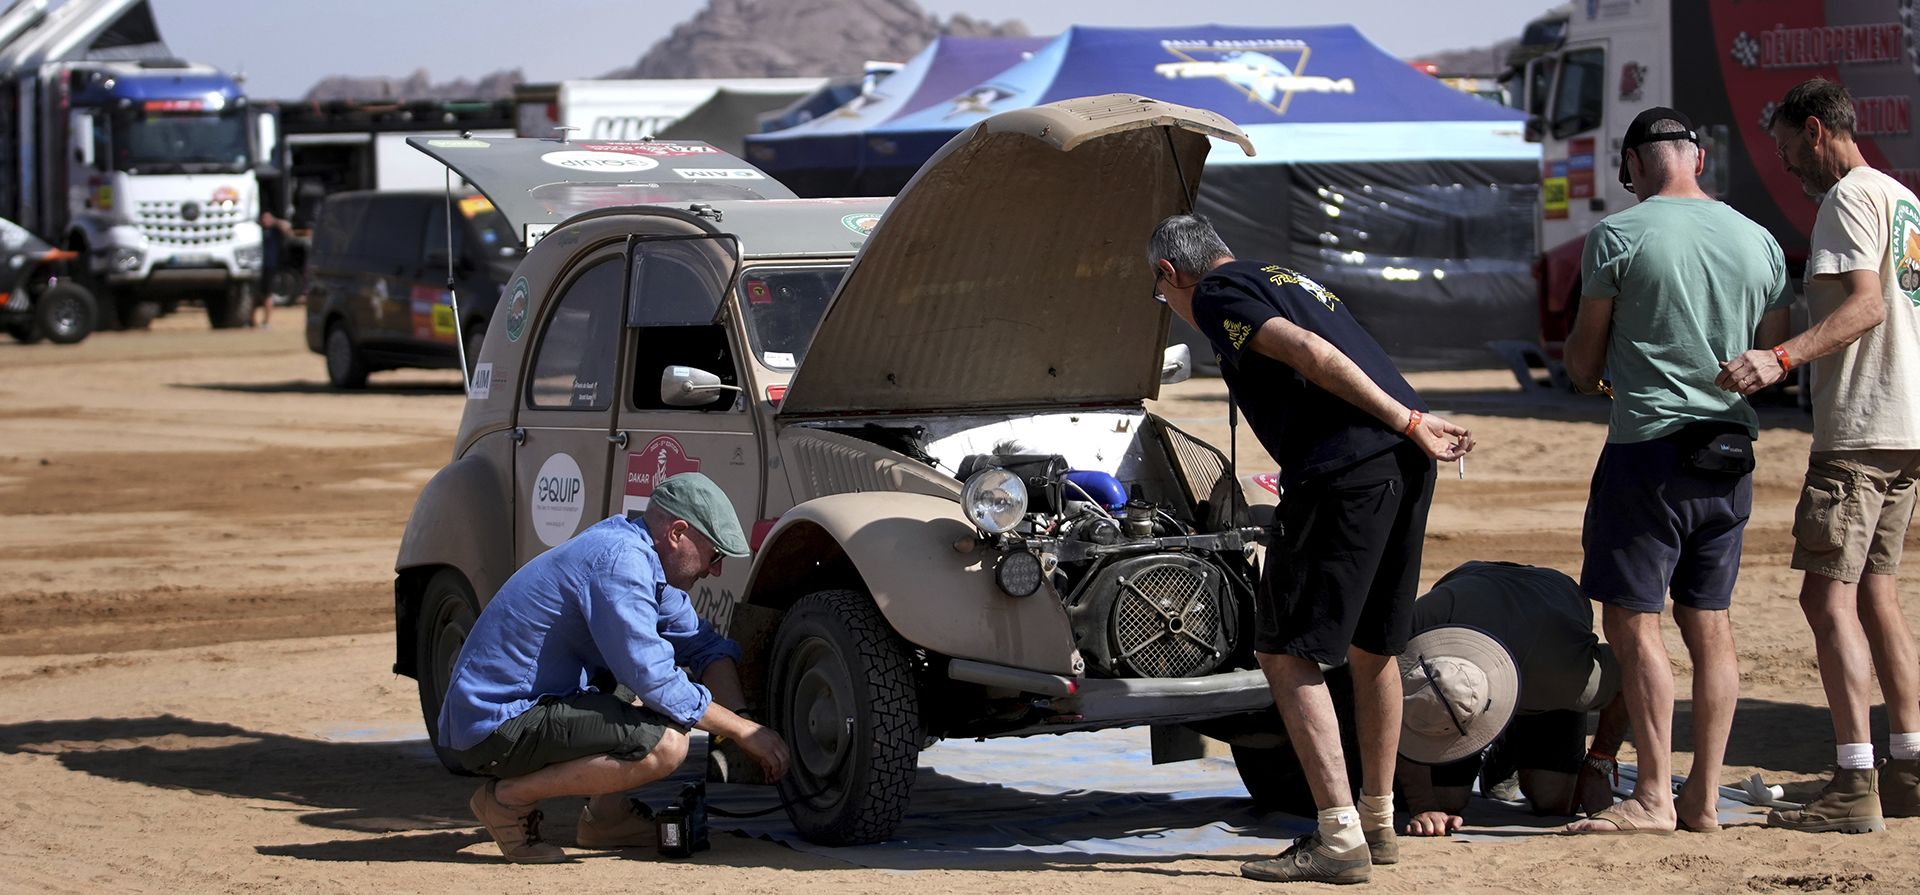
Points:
(1189, 241)
(1816, 98)
(1661, 160)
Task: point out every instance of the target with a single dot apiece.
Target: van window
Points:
(1577, 100)
(339, 220)
(574, 362)
(388, 238)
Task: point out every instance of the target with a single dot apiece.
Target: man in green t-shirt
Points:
(1672, 288)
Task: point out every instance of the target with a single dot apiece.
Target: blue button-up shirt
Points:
(597, 602)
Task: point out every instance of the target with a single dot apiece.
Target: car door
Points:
(678, 316)
(562, 449)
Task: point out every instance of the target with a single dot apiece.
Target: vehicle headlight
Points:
(994, 499)
(247, 257)
(126, 259)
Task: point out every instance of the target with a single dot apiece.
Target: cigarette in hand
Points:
(1462, 466)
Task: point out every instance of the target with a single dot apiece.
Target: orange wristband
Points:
(1413, 422)
(1780, 354)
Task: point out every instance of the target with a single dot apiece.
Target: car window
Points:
(674, 315)
(573, 365)
(1577, 100)
(388, 236)
(339, 220)
(783, 307)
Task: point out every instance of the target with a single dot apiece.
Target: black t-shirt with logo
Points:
(1308, 429)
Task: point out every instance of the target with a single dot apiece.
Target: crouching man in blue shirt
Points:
(570, 682)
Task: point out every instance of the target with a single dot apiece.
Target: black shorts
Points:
(1347, 563)
(1655, 524)
(1535, 741)
(563, 728)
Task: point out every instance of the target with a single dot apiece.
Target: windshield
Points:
(783, 306)
(497, 239)
(158, 142)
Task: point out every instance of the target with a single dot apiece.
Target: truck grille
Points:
(166, 222)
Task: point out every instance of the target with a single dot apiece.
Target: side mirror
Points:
(691, 387)
(1176, 365)
(1535, 129)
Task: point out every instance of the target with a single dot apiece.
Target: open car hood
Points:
(1011, 271)
(536, 184)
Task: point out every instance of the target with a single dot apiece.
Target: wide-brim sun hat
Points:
(1459, 687)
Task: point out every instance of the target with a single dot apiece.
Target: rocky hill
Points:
(418, 85)
(798, 38)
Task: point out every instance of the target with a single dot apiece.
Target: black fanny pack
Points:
(1718, 448)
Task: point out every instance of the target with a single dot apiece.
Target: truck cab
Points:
(159, 183)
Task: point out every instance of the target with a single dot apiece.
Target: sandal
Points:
(1622, 825)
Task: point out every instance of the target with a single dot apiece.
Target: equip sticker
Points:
(517, 310)
(482, 387)
(591, 160)
(559, 497)
(662, 459)
(719, 174)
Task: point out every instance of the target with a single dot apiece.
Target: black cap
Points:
(1637, 135)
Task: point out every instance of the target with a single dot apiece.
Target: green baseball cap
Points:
(695, 498)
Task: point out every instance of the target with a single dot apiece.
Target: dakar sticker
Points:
(559, 498)
(655, 149)
(517, 310)
(861, 222)
(1906, 250)
(661, 459)
(1237, 332)
(1268, 481)
(594, 160)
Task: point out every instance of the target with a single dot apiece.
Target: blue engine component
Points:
(1102, 487)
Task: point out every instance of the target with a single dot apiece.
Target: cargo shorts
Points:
(1853, 512)
(563, 728)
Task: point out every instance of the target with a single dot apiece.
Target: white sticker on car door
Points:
(558, 499)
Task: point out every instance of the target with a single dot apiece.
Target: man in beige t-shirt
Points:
(1863, 291)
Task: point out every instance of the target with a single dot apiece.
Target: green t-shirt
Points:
(1690, 280)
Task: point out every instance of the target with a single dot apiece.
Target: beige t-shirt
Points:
(1867, 396)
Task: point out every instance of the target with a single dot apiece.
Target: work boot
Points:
(515, 829)
(1309, 861)
(633, 828)
(1900, 787)
(1849, 804)
(1383, 846)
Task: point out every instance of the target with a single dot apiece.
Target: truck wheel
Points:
(66, 313)
(345, 367)
(447, 613)
(231, 309)
(135, 312)
(843, 697)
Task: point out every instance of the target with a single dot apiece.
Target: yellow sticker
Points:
(1553, 197)
(442, 320)
(1237, 332)
(475, 205)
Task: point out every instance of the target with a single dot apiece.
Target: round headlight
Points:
(994, 499)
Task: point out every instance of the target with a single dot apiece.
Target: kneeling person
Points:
(570, 682)
(1459, 692)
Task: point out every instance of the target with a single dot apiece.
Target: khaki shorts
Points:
(1853, 512)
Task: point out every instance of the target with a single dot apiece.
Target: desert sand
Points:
(196, 548)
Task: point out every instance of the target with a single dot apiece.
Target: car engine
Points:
(1147, 594)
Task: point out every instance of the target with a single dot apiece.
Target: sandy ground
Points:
(196, 545)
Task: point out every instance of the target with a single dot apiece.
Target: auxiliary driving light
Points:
(994, 499)
(1018, 574)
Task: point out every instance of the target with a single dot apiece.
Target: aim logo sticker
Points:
(1253, 68)
(559, 498)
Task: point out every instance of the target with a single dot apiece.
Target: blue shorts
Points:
(1656, 524)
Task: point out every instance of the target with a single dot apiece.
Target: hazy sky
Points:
(284, 46)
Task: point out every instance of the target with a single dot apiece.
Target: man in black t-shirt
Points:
(1356, 449)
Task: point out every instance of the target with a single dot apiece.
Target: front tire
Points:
(346, 368)
(447, 613)
(843, 697)
(65, 313)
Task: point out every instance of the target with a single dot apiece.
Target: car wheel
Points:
(843, 697)
(1272, 774)
(136, 313)
(447, 613)
(25, 333)
(345, 367)
(66, 313)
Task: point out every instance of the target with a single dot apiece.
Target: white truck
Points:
(632, 109)
(141, 163)
(1586, 69)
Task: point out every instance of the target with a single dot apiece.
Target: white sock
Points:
(1375, 812)
(1904, 745)
(1855, 756)
(1340, 830)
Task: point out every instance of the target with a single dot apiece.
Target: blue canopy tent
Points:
(1411, 201)
(821, 157)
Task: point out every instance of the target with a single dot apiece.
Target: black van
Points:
(377, 280)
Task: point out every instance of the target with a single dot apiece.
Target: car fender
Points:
(457, 520)
(900, 548)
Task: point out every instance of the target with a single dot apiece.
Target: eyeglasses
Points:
(1158, 275)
